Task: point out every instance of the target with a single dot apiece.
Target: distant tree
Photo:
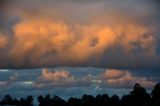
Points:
(74, 102)
(48, 100)
(126, 100)
(16, 102)
(41, 101)
(88, 100)
(23, 102)
(139, 96)
(156, 95)
(102, 100)
(7, 100)
(29, 101)
(114, 101)
(57, 101)
(98, 100)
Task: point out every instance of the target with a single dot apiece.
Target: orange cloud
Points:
(113, 74)
(42, 41)
(48, 37)
(60, 78)
(3, 42)
(121, 78)
(112, 78)
(56, 76)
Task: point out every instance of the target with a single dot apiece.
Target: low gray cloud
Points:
(66, 82)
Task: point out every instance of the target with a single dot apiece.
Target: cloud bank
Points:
(73, 82)
(65, 33)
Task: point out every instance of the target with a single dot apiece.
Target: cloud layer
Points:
(68, 82)
(48, 35)
(119, 37)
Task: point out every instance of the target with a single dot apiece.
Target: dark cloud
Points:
(3, 4)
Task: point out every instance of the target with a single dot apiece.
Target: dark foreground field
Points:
(137, 97)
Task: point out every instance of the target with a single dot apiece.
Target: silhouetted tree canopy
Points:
(137, 97)
(156, 95)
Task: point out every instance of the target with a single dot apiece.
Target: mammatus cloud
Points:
(125, 79)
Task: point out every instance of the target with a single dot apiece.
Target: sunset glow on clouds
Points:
(39, 42)
(45, 41)
(125, 79)
(112, 44)
(109, 78)
(61, 79)
(39, 39)
(63, 82)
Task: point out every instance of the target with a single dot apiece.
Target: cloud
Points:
(14, 77)
(7, 83)
(3, 84)
(39, 43)
(60, 78)
(111, 78)
(113, 74)
(53, 33)
(3, 42)
(66, 82)
(125, 79)
(3, 4)
(57, 76)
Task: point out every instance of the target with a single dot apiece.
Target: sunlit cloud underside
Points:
(72, 47)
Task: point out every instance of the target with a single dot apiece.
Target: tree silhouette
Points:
(137, 97)
(7, 100)
(114, 101)
(23, 102)
(74, 102)
(47, 100)
(102, 100)
(41, 100)
(126, 100)
(88, 100)
(29, 101)
(57, 101)
(156, 95)
(16, 102)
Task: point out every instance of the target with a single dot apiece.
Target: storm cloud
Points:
(71, 47)
(73, 33)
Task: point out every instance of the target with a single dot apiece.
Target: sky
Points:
(71, 47)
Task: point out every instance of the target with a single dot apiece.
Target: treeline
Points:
(137, 97)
